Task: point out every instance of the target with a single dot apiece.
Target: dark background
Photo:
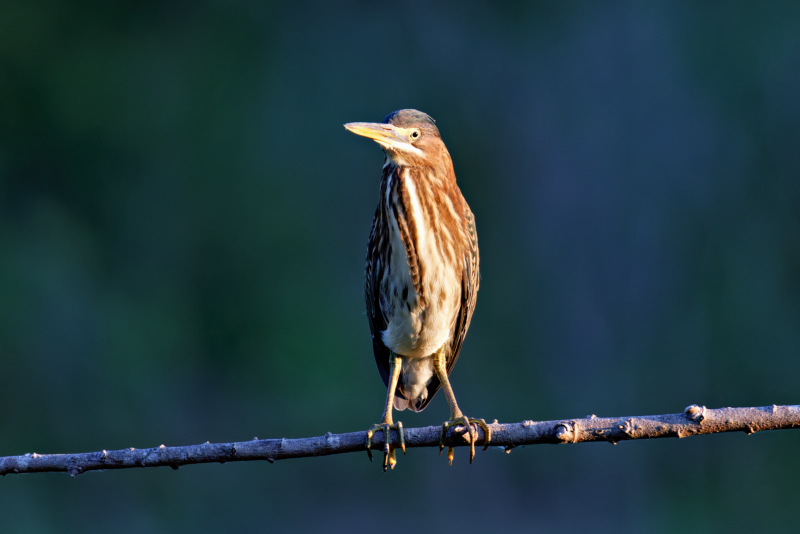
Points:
(183, 223)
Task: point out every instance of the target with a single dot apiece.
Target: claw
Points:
(447, 424)
(486, 430)
(387, 449)
(471, 438)
(389, 459)
(471, 448)
(402, 438)
(467, 423)
(370, 433)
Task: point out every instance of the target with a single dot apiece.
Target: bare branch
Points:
(695, 420)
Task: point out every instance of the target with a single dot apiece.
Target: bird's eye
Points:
(415, 135)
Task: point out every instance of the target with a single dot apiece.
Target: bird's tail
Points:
(417, 384)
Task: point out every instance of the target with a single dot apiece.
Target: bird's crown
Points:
(410, 118)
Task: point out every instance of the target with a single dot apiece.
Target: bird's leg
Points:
(456, 417)
(386, 426)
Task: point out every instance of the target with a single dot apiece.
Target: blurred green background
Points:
(183, 223)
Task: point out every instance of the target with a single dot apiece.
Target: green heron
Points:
(421, 275)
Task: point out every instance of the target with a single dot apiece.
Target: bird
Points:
(421, 275)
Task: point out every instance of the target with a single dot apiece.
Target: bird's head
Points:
(408, 137)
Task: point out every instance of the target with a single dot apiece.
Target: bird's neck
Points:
(426, 208)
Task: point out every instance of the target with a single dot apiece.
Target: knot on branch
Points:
(564, 432)
(695, 413)
(74, 468)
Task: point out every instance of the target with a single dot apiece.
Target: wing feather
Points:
(373, 274)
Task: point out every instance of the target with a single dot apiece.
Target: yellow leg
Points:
(386, 425)
(456, 417)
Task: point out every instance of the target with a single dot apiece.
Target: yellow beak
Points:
(385, 135)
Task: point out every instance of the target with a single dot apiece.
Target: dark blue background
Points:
(183, 223)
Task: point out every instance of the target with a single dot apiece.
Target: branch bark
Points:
(694, 421)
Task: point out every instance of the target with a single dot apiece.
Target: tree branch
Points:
(695, 420)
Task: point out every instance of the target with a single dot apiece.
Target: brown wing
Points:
(470, 281)
(373, 274)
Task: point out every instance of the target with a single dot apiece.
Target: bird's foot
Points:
(389, 459)
(466, 422)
